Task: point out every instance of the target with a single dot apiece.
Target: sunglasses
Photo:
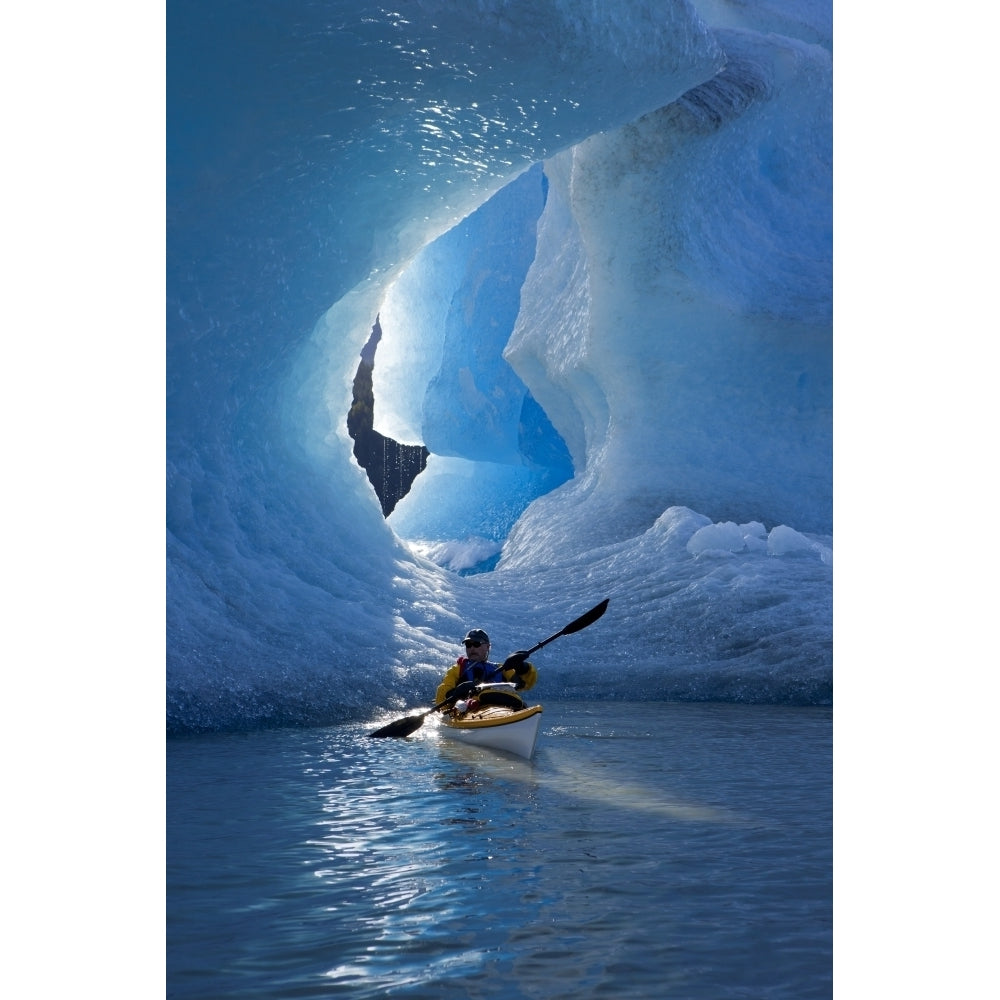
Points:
(473, 643)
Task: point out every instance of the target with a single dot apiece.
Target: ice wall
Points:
(677, 320)
(314, 151)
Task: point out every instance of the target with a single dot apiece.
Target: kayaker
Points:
(475, 668)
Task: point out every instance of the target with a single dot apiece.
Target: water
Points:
(649, 850)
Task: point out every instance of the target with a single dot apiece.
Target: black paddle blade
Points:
(588, 619)
(401, 727)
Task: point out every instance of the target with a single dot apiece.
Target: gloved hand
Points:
(462, 690)
(518, 662)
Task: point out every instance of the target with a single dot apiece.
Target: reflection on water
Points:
(657, 850)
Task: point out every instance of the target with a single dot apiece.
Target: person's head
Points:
(477, 645)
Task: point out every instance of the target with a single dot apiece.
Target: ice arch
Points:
(674, 326)
(441, 379)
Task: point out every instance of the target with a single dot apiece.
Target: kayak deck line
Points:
(490, 716)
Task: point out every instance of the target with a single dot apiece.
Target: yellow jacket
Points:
(451, 679)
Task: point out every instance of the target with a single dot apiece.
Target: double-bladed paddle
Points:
(575, 626)
(404, 727)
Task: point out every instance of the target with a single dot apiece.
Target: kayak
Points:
(494, 717)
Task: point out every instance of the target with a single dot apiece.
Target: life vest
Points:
(480, 673)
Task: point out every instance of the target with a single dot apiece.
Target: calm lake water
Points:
(649, 850)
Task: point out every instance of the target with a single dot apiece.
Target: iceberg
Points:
(598, 240)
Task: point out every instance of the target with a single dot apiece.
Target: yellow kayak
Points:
(497, 718)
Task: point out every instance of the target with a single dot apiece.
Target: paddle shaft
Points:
(575, 626)
(440, 704)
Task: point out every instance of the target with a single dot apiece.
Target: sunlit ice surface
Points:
(672, 326)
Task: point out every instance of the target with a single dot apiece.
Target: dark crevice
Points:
(391, 466)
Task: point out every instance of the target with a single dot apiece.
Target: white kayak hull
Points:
(497, 728)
